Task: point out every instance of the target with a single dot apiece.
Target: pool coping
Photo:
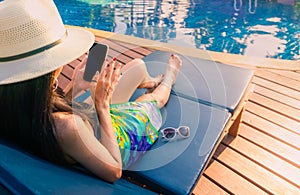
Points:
(250, 62)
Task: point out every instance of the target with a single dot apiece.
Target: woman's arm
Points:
(102, 158)
(78, 141)
(105, 86)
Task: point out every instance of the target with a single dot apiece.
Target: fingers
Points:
(94, 84)
(109, 70)
(105, 69)
(95, 77)
(116, 74)
(110, 74)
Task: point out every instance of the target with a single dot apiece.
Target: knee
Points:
(137, 63)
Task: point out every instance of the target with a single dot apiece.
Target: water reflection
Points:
(264, 28)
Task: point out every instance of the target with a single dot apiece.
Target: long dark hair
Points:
(26, 116)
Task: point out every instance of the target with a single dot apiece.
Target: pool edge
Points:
(226, 58)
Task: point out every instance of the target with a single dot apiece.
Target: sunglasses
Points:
(169, 133)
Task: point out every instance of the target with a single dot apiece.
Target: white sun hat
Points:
(34, 40)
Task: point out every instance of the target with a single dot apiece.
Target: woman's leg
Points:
(162, 92)
(134, 75)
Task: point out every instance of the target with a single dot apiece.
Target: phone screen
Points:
(96, 58)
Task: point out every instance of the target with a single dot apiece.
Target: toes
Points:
(175, 60)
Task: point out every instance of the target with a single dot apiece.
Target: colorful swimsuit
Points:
(136, 126)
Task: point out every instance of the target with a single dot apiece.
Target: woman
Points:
(36, 116)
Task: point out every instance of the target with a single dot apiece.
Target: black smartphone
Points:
(96, 58)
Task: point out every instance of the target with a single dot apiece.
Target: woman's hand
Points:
(106, 82)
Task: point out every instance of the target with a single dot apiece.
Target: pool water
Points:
(261, 28)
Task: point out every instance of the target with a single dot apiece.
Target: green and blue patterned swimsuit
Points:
(136, 126)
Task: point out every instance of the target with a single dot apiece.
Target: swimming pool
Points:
(261, 28)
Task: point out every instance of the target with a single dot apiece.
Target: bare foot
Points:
(174, 65)
(151, 83)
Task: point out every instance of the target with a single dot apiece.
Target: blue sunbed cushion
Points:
(22, 173)
(203, 80)
(175, 167)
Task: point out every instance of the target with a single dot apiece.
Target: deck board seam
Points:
(275, 99)
(280, 73)
(286, 84)
(274, 122)
(268, 134)
(271, 151)
(217, 184)
(272, 108)
(261, 164)
(243, 176)
(273, 88)
(135, 50)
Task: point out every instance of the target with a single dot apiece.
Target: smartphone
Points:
(96, 58)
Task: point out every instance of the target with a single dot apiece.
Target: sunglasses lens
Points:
(169, 133)
(184, 131)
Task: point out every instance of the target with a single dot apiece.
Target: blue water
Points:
(261, 28)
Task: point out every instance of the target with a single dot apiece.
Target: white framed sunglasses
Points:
(169, 133)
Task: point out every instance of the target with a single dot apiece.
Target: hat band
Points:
(36, 51)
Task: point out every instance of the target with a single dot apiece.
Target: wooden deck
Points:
(265, 157)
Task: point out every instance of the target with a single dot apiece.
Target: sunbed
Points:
(207, 96)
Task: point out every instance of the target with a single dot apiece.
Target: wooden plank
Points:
(141, 50)
(74, 63)
(81, 57)
(277, 97)
(230, 180)
(279, 79)
(271, 145)
(274, 117)
(112, 45)
(267, 160)
(275, 106)
(62, 81)
(276, 87)
(287, 73)
(122, 49)
(254, 172)
(132, 54)
(137, 51)
(122, 53)
(207, 187)
(271, 129)
(67, 71)
(120, 57)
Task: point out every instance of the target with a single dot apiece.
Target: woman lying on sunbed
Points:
(37, 117)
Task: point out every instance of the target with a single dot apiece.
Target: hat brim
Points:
(77, 42)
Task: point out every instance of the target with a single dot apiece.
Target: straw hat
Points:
(34, 41)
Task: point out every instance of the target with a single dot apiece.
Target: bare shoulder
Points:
(67, 125)
(64, 120)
